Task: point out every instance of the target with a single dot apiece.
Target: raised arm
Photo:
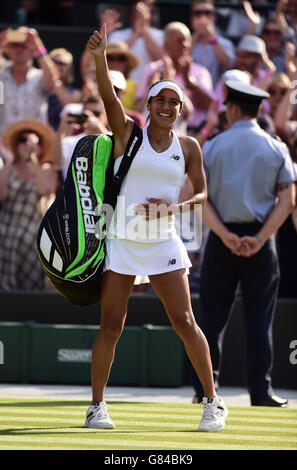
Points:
(120, 124)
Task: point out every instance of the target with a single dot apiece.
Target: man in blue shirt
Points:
(250, 178)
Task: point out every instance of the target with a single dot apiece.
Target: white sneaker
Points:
(214, 414)
(97, 417)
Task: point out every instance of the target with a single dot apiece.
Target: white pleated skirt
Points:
(144, 259)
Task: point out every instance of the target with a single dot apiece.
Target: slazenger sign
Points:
(74, 355)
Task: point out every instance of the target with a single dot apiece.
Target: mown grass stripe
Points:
(145, 407)
(113, 437)
(123, 411)
(148, 405)
(152, 444)
(170, 421)
(136, 429)
(126, 408)
(124, 448)
(143, 427)
(148, 443)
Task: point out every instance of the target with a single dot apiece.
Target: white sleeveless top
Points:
(152, 174)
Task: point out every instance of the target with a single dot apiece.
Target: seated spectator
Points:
(251, 56)
(285, 117)
(177, 64)
(64, 92)
(144, 40)
(26, 88)
(275, 42)
(209, 49)
(278, 87)
(28, 183)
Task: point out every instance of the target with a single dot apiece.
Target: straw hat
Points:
(45, 132)
(122, 48)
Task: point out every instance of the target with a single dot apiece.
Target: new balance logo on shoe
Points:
(171, 261)
(214, 415)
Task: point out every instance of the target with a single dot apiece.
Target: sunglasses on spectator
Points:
(24, 139)
(278, 92)
(22, 45)
(272, 31)
(59, 62)
(202, 12)
(119, 58)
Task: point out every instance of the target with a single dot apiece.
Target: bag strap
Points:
(133, 145)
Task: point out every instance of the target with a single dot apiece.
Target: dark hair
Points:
(247, 109)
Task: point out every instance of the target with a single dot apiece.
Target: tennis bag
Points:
(71, 236)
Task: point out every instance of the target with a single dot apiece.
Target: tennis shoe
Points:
(97, 417)
(214, 415)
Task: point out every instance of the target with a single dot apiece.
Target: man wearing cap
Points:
(251, 56)
(250, 194)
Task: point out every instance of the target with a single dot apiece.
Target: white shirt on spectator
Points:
(205, 55)
(27, 100)
(67, 146)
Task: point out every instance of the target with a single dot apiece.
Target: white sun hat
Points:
(118, 79)
(252, 43)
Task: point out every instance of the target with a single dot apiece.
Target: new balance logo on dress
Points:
(175, 157)
(171, 262)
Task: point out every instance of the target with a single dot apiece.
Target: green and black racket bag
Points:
(71, 236)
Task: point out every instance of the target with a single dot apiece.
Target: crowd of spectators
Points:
(41, 100)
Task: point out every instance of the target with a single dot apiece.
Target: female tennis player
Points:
(146, 244)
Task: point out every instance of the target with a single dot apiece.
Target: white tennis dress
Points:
(135, 246)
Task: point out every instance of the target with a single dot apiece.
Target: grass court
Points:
(45, 424)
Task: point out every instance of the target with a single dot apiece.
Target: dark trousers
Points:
(259, 279)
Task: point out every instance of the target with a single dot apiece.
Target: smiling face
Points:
(164, 108)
